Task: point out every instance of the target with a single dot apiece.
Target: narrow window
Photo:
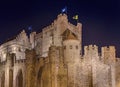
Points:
(70, 46)
(76, 47)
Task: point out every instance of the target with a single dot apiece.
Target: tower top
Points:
(60, 15)
(71, 36)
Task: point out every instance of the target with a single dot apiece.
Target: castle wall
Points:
(54, 62)
(53, 33)
(108, 54)
(117, 72)
(47, 41)
(39, 47)
(14, 67)
(101, 74)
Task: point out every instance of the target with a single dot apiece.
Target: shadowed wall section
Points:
(3, 80)
(10, 78)
(19, 79)
(39, 78)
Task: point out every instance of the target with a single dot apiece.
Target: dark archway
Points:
(19, 79)
(10, 78)
(39, 78)
(3, 80)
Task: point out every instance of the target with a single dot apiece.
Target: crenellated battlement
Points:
(110, 49)
(90, 49)
(108, 54)
(22, 36)
(54, 56)
(62, 17)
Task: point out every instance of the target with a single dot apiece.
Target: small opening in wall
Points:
(76, 47)
(64, 47)
(70, 46)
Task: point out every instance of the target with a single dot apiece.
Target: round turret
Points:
(71, 49)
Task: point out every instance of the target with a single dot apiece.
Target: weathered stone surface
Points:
(53, 58)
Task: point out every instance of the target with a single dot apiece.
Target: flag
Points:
(64, 10)
(30, 28)
(75, 17)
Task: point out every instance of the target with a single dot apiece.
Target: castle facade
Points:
(53, 58)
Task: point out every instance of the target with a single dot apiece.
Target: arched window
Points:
(19, 79)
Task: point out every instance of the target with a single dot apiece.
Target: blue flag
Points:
(64, 10)
(30, 28)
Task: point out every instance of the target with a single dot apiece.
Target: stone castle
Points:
(53, 58)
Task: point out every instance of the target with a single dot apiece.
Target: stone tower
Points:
(53, 58)
(71, 57)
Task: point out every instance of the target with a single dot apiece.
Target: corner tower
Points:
(71, 57)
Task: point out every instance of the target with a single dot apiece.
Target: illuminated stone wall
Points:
(52, 58)
(54, 33)
(117, 69)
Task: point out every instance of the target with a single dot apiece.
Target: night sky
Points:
(100, 18)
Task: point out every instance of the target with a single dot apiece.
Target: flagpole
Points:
(77, 21)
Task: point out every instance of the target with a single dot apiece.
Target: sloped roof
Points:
(67, 34)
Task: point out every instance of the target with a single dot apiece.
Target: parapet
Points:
(91, 51)
(61, 15)
(109, 48)
(90, 47)
(109, 53)
(59, 18)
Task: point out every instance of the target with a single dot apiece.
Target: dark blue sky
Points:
(100, 18)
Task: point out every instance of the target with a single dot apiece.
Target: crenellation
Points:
(52, 58)
(61, 16)
(91, 50)
(108, 54)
